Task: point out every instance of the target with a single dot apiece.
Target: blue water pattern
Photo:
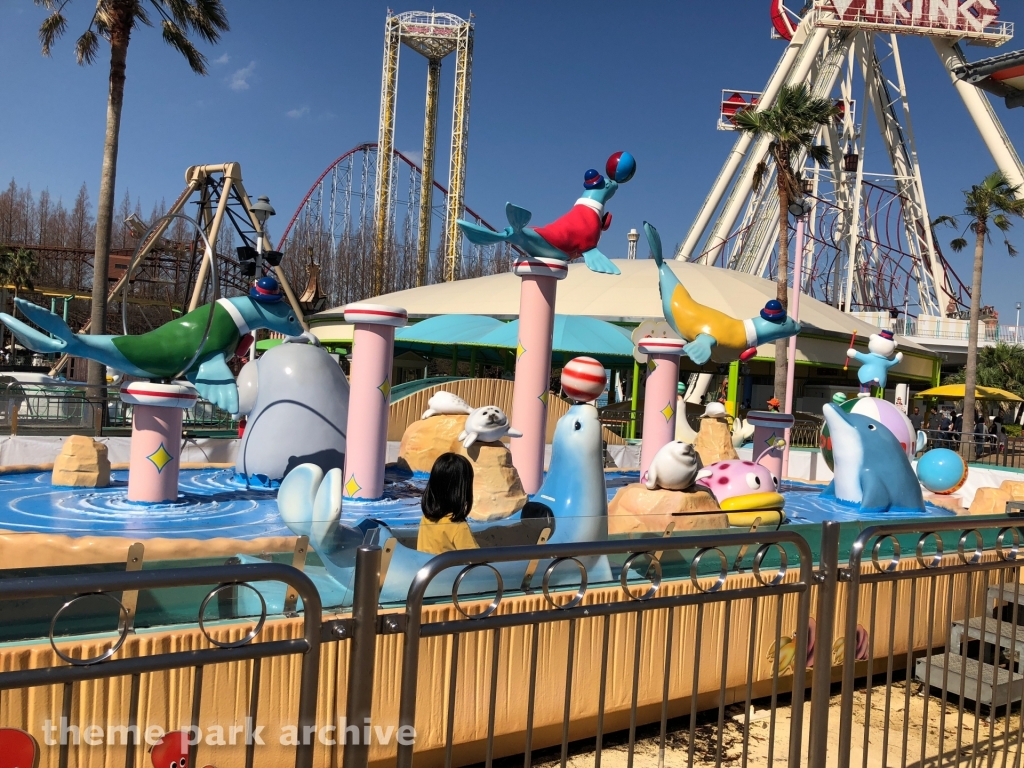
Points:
(215, 503)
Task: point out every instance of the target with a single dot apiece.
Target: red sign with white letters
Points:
(920, 16)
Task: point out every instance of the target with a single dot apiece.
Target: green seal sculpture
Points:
(164, 352)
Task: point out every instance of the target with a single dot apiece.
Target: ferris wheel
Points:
(871, 248)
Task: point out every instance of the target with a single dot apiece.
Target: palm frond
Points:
(1009, 248)
(820, 154)
(760, 170)
(86, 47)
(51, 29)
(945, 220)
(176, 38)
(1001, 222)
(958, 244)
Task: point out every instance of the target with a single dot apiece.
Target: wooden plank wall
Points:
(476, 392)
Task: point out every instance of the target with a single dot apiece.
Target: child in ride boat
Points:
(446, 503)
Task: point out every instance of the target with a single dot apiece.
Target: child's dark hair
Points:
(449, 489)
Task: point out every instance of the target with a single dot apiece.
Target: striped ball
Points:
(583, 379)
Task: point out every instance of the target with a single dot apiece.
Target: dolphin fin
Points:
(216, 383)
(654, 241)
(699, 350)
(517, 217)
(482, 235)
(31, 338)
(598, 262)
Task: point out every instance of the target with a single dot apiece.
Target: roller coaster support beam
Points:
(427, 175)
(385, 149)
(980, 109)
(459, 152)
(232, 173)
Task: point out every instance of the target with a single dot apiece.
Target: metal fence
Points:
(33, 409)
(696, 654)
(980, 448)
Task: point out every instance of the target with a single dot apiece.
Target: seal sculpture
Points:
(674, 468)
(446, 404)
(487, 425)
(574, 235)
(872, 470)
(705, 328)
(165, 351)
(296, 401)
(574, 493)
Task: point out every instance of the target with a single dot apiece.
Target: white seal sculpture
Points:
(488, 425)
(674, 468)
(446, 404)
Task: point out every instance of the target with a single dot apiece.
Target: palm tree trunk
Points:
(971, 371)
(782, 280)
(120, 30)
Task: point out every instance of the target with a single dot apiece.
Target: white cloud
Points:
(222, 59)
(416, 155)
(240, 79)
(295, 114)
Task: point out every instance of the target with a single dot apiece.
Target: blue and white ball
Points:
(621, 166)
(942, 471)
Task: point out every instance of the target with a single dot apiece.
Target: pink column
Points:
(660, 392)
(533, 365)
(373, 349)
(155, 458)
(769, 428)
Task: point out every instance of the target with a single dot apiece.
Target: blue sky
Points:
(556, 88)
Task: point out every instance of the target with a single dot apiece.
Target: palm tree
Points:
(792, 122)
(20, 268)
(989, 204)
(1001, 366)
(114, 20)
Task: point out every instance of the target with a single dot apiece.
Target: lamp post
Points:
(799, 209)
(262, 210)
(1016, 328)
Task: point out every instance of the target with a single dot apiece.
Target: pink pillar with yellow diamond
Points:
(770, 438)
(155, 458)
(533, 365)
(659, 396)
(373, 350)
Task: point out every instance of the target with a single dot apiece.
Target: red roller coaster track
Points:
(332, 166)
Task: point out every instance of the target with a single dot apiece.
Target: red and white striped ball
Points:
(583, 379)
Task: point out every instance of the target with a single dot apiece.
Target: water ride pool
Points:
(215, 503)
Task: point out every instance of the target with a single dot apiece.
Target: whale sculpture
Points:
(574, 493)
(872, 470)
(296, 400)
(488, 425)
(705, 328)
(165, 352)
(574, 235)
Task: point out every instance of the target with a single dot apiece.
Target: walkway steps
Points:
(998, 686)
(991, 632)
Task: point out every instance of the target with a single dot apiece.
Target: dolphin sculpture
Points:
(703, 327)
(872, 470)
(572, 236)
(574, 493)
(165, 351)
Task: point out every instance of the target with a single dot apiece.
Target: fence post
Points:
(821, 685)
(362, 654)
